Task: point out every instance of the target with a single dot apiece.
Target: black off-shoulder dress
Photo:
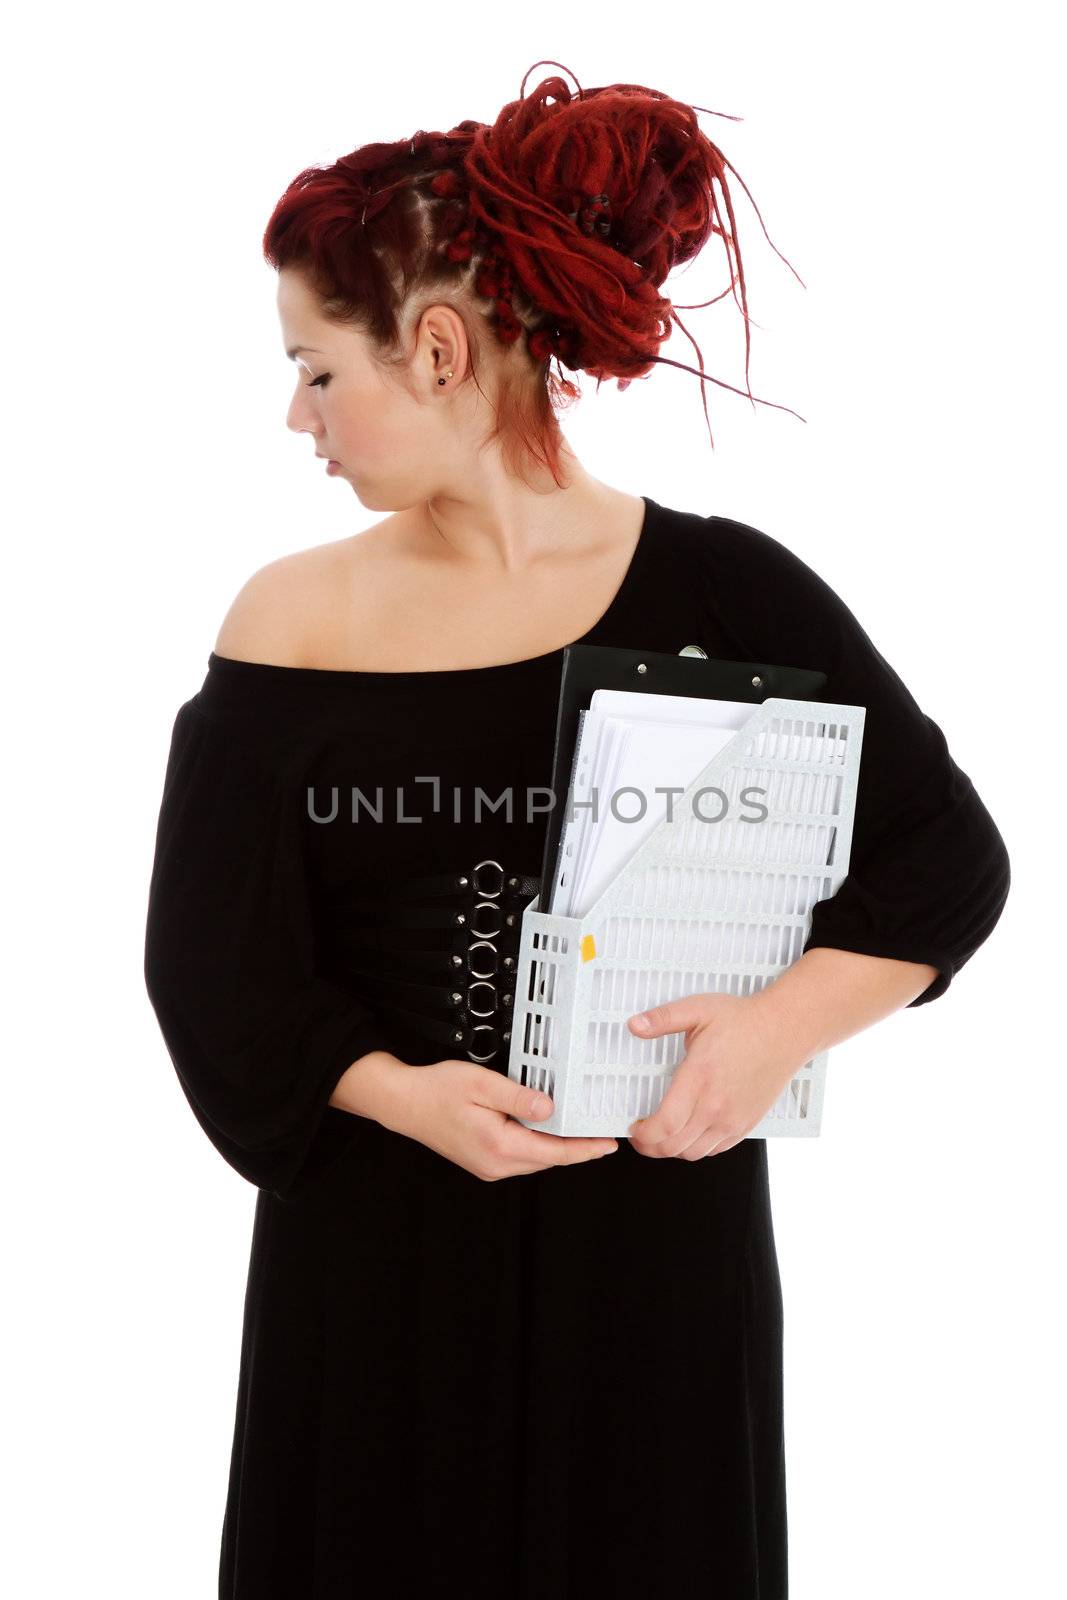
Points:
(547, 1386)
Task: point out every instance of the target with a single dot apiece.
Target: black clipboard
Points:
(587, 667)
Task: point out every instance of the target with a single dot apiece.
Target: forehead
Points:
(303, 328)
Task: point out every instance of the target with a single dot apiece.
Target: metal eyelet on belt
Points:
(483, 1055)
(481, 984)
(481, 888)
(494, 913)
(487, 972)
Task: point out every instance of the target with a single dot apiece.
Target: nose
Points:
(300, 417)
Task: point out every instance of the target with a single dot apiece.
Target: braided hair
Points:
(564, 216)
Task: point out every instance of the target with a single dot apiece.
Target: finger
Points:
(721, 1149)
(709, 1145)
(678, 1109)
(563, 1152)
(673, 1016)
(520, 1101)
(697, 1136)
(517, 1099)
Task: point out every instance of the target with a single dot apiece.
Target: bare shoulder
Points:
(282, 611)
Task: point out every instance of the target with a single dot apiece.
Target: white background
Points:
(907, 161)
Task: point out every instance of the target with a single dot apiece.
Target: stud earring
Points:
(441, 380)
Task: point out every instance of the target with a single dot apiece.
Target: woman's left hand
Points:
(739, 1058)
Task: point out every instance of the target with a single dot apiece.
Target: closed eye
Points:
(324, 380)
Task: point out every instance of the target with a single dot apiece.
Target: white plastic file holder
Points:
(702, 906)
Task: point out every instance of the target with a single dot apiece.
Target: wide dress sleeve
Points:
(258, 1038)
(929, 872)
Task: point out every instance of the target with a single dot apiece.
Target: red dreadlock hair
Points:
(565, 214)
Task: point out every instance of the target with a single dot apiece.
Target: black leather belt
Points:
(468, 1009)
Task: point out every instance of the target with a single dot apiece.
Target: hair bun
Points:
(595, 197)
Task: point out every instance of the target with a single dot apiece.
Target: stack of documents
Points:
(636, 754)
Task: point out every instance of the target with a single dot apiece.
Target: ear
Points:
(441, 345)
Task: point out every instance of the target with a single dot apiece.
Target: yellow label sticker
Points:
(588, 947)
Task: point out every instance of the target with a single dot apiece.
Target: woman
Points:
(475, 1361)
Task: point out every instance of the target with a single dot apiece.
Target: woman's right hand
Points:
(464, 1111)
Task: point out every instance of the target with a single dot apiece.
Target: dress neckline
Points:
(641, 553)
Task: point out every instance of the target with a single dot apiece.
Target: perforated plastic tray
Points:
(702, 906)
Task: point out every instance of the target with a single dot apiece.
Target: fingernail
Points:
(640, 1021)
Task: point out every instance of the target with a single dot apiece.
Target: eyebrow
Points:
(294, 352)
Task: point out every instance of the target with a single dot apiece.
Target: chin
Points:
(381, 500)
